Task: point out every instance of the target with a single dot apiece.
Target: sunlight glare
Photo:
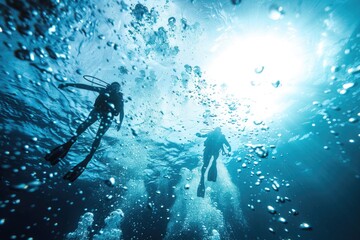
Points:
(259, 68)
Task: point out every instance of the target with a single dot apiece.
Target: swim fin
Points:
(201, 190)
(58, 153)
(212, 174)
(76, 171)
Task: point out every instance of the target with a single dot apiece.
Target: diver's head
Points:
(217, 130)
(115, 86)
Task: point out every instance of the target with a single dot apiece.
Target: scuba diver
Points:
(107, 105)
(214, 142)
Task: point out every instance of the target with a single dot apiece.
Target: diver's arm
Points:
(201, 135)
(81, 86)
(227, 144)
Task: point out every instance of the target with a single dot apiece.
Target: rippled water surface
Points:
(281, 78)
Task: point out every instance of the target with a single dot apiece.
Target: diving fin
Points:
(212, 174)
(201, 190)
(58, 153)
(76, 171)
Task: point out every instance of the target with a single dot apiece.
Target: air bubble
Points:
(271, 209)
(305, 226)
(110, 182)
(259, 69)
(276, 84)
(172, 21)
(282, 220)
(276, 12)
(348, 85)
(236, 2)
(353, 120)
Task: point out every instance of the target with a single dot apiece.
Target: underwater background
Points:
(281, 79)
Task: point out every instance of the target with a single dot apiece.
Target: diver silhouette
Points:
(214, 142)
(107, 105)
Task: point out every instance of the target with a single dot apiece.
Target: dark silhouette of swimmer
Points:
(214, 142)
(107, 105)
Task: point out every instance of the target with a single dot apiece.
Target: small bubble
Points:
(251, 207)
(60, 78)
(305, 226)
(259, 69)
(236, 2)
(276, 12)
(275, 186)
(2, 221)
(258, 122)
(347, 51)
(271, 230)
(334, 69)
(271, 209)
(24, 54)
(276, 84)
(52, 29)
(342, 91)
(348, 85)
(327, 8)
(171, 21)
(187, 186)
(354, 70)
(294, 212)
(110, 182)
(282, 220)
(188, 68)
(353, 120)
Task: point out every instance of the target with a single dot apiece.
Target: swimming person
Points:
(107, 105)
(214, 142)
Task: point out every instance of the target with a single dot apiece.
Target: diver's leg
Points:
(206, 159)
(76, 171)
(61, 151)
(93, 117)
(212, 174)
(104, 126)
(201, 187)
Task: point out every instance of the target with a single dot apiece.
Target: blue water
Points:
(281, 78)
